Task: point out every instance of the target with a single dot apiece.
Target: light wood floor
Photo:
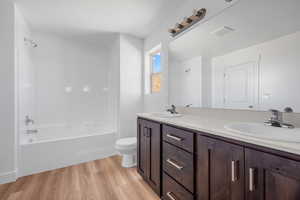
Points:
(98, 180)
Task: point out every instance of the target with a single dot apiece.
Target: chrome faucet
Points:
(276, 119)
(172, 110)
(28, 120)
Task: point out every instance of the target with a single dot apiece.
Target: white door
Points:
(239, 86)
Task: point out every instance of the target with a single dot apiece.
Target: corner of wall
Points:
(8, 177)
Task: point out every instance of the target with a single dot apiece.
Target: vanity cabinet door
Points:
(149, 153)
(142, 149)
(270, 177)
(220, 170)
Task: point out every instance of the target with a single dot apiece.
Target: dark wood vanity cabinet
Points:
(182, 164)
(178, 164)
(220, 170)
(227, 171)
(149, 153)
(270, 177)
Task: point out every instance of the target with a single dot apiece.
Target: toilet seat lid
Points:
(127, 142)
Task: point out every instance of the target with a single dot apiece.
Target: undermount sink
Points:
(166, 115)
(262, 131)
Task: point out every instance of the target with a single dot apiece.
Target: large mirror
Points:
(247, 57)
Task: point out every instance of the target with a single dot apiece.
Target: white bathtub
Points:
(60, 146)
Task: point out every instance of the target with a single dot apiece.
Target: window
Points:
(153, 70)
(156, 71)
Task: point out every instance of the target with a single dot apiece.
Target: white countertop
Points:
(216, 127)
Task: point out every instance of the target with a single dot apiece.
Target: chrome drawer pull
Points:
(169, 194)
(174, 137)
(234, 171)
(251, 179)
(174, 164)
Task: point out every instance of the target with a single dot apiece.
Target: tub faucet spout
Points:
(276, 119)
(172, 110)
(30, 132)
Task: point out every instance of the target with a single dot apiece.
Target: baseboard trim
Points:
(8, 177)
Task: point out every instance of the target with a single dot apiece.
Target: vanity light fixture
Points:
(188, 22)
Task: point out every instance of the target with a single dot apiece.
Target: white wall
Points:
(114, 81)
(131, 53)
(76, 63)
(185, 82)
(159, 100)
(25, 69)
(24, 78)
(7, 84)
(206, 82)
(279, 72)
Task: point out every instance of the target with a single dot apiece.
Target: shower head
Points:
(30, 42)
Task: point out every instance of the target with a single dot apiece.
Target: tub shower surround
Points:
(73, 90)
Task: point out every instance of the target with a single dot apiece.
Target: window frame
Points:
(151, 55)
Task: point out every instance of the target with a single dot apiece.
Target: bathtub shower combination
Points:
(59, 146)
(67, 104)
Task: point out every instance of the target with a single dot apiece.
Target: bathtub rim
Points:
(67, 138)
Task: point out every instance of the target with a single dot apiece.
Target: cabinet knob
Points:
(170, 195)
(251, 179)
(174, 164)
(234, 171)
(147, 132)
(174, 137)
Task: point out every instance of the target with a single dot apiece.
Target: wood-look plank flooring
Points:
(103, 179)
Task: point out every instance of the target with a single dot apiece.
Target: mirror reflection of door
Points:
(235, 81)
(239, 86)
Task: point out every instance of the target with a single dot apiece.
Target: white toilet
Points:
(127, 148)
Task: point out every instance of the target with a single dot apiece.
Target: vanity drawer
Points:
(173, 191)
(179, 164)
(178, 137)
